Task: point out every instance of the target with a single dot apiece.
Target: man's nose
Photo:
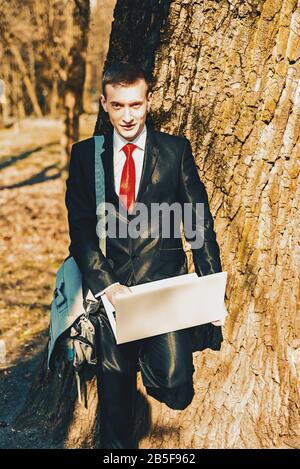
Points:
(127, 115)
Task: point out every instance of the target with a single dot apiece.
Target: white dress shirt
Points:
(119, 159)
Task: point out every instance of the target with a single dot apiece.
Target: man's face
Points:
(127, 107)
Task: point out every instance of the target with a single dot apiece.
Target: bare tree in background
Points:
(38, 42)
(52, 58)
(18, 37)
(73, 96)
(34, 54)
(100, 28)
(227, 76)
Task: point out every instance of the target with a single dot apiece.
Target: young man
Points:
(142, 166)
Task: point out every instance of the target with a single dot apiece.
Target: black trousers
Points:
(166, 365)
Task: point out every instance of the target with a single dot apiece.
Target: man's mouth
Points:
(128, 127)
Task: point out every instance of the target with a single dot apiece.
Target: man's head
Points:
(126, 98)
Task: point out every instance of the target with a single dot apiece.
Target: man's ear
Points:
(103, 102)
(149, 99)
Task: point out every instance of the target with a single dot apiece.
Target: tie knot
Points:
(129, 148)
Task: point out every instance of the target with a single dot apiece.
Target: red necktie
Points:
(127, 186)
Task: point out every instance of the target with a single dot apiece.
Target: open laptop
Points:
(167, 305)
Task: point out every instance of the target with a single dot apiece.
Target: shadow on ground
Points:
(42, 176)
(22, 156)
(15, 382)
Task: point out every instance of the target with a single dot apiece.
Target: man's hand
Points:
(221, 323)
(217, 323)
(115, 290)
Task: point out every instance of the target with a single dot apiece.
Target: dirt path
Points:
(33, 242)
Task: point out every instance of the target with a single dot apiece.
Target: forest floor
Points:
(34, 240)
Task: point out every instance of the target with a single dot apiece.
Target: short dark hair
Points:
(125, 73)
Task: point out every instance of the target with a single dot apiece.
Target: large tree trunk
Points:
(227, 76)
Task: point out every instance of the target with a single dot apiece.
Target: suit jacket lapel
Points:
(150, 158)
(108, 164)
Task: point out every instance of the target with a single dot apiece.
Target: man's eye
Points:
(116, 106)
(136, 106)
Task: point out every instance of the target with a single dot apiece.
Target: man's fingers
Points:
(121, 290)
(217, 323)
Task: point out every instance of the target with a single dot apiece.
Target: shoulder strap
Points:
(100, 192)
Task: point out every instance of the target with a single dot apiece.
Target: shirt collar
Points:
(139, 141)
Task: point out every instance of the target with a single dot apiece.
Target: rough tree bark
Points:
(226, 76)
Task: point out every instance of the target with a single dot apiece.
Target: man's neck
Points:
(140, 140)
(133, 139)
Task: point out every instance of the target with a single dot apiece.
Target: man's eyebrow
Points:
(131, 104)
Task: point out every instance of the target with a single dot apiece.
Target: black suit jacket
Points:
(169, 175)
